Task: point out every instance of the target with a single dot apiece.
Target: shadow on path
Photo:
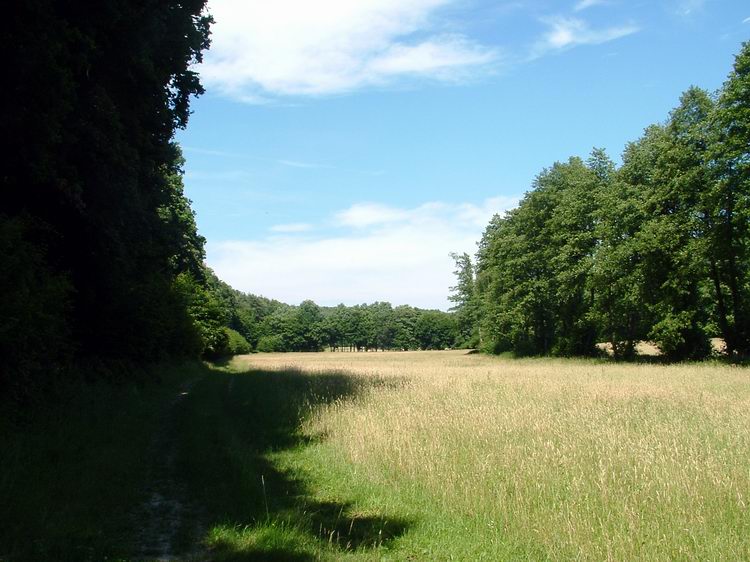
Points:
(226, 428)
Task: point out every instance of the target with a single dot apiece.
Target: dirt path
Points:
(163, 516)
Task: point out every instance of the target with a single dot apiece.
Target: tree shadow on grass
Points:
(250, 509)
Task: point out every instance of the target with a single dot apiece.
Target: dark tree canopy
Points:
(93, 218)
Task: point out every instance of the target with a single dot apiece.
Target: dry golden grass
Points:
(539, 458)
(650, 349)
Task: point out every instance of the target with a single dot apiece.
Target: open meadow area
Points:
(475, 457)
(390, 456)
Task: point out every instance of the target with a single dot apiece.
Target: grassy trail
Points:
(161, 521)
(425, 456)
(181, 470)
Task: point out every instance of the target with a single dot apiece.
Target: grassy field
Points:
(476, 457)
(395, 456)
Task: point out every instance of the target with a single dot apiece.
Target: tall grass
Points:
(389, 456)
(539, 459)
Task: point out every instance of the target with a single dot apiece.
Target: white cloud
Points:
(746, 20)
(292, 227)
(585, 4)
(569, 32)
(264, 49)
(363, 215)
(380, 253)
(443, 57)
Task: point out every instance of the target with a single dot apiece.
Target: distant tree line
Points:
(656, 249)
(245, 322)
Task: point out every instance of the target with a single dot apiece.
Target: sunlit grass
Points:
(534, 459)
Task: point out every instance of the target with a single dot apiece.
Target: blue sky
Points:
(344, 148)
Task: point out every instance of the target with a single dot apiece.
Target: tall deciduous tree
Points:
(616, 279)
(728, 204)
(465, 299)
(672, 237)
(533, 266)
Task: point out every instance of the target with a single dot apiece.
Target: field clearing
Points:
(385, 456)
(491, 458)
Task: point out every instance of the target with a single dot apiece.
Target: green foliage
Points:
(657, 249)
(435, 330)
(534, 263)
(278, 327)
(236, 344)
(98, 92)
(271, 344)
(35, 306)
(727, 204)
(208, 317)
(180, 229)
(405, 320)
(466, 307)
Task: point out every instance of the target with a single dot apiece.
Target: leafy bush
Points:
(678, 338)
(270, 343)
(207, 315)
(236, 344)
(35, 305)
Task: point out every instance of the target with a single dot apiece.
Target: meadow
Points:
(389, 456)
(499, 459)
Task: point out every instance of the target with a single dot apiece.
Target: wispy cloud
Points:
(364, 215)
(585, 4)
(746, 20)
(307, 165)
(689, 7)
(292, 227)
(378, 252)
(227, 154)
(263, 50)
(222, 175)
(566, 32)
(317, 166)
